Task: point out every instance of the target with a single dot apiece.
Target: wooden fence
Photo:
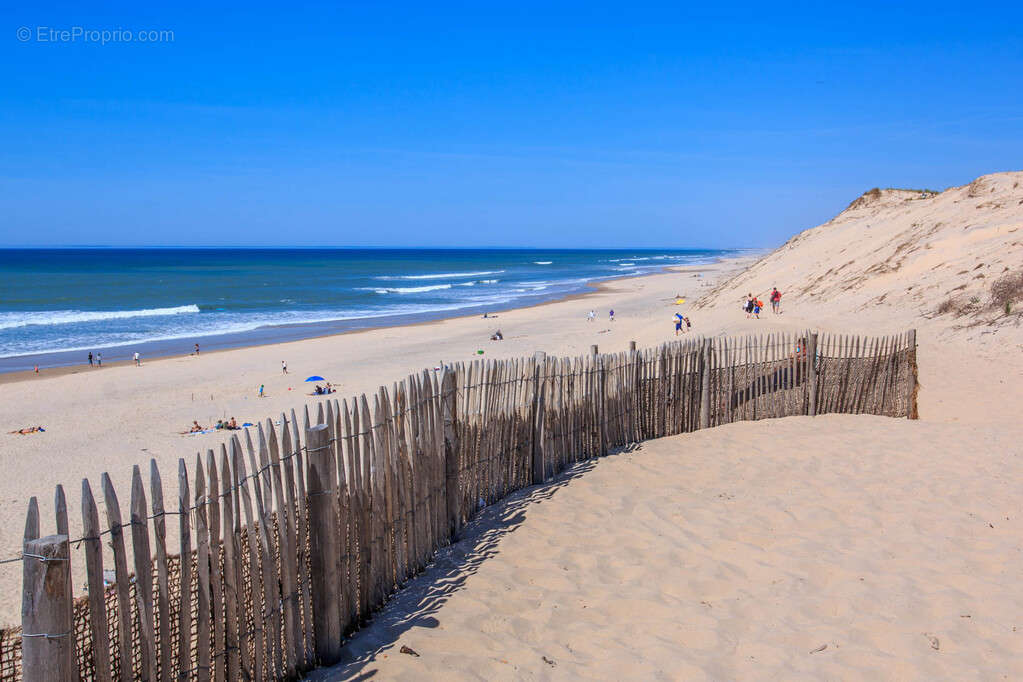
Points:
(293, 533)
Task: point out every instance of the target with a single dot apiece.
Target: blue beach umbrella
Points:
(315, 377)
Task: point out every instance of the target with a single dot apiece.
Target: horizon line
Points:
(98, 247)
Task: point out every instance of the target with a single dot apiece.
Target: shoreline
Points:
(247, 314)
(590, 289)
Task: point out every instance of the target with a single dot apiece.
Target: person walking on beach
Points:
(775, 300)
(196, 349)
(90, 358)
(99, 359)
(678, 324)
(138, 360)
(284, 367)
(611, 315)
(261, 390)
(757, 305)
(591, 316)
(748, 307)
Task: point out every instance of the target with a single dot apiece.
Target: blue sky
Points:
(522, 124)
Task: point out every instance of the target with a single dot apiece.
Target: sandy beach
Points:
(732, 553)
(111, 418)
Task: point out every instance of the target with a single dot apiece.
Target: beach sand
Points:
(732, 553)
(735, 553)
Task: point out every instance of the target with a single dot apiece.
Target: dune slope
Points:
(924, 256)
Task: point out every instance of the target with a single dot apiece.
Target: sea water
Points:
(56, 305)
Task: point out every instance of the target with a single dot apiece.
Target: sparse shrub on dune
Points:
(946, 306)
(1006, 291)
(865, 199)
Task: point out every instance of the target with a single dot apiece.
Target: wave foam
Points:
(441, 275)
(13, 320)
(408, 290)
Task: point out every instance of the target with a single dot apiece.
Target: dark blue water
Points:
(80, 300)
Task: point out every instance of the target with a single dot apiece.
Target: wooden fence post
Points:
(601, 405)
(632, 345)
(99, 629)
(536, 421)
(594, 350)
(323, 545)
(912, 411)
(47, 638)
(452, 484)
(811, 369)
(705, 384)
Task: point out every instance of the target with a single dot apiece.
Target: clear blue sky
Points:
(522, 124)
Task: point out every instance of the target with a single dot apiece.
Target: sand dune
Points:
(902, 254)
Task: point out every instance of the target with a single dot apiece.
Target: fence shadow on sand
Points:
(422, 597)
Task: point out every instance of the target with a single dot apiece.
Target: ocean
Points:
(56, 305)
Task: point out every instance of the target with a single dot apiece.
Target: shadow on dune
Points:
(415, 603)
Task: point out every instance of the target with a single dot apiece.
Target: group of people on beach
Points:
(324, 390)
(96, 360)
(222, 424)
(754, 305)
(592, 315)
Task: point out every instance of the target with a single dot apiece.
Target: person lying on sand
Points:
(29, 429)
(497, 336)
(195, 428)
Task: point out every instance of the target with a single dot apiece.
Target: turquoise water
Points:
(58, 304)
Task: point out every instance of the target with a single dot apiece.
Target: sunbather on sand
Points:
(29, 429)
(195, 428)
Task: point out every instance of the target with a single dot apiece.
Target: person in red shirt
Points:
(776, 300)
